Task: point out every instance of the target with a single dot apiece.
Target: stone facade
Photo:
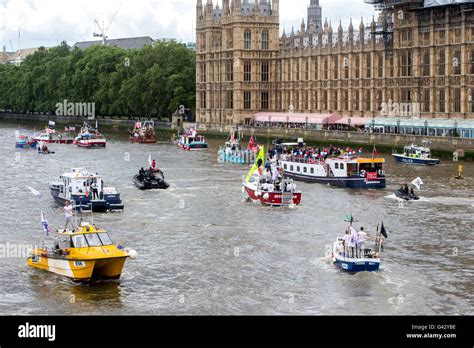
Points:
(420, 58)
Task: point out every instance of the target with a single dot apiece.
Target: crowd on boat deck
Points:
(354, 243)
(316, 153)
(272, 179)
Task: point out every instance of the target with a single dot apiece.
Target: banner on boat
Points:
(260, 161)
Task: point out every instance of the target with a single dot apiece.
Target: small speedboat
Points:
(150, 180)
(85, 254)
(22, 141)
(402, 194)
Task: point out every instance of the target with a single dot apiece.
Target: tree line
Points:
(153, 81)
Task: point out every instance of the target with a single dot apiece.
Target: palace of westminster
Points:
(418, 52)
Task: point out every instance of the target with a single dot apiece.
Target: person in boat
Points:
(406, 190)
(153, 166)
(412, 192)
(361, 237)
(346, 242)
(68, 215)
(95, 190)
(353, 241)
(141, 173)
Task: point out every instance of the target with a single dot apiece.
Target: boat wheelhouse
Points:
(85, 254)
(367, 262)
(143, 133)
(86, 191)
(414, 154)
(344, 171)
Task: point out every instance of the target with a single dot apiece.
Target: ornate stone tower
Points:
(315, 15)
(237, 52)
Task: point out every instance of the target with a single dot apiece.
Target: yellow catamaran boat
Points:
(83, 255)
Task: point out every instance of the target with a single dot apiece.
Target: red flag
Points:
(376, 153)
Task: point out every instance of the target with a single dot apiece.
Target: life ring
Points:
(266, 196)
(381, 172)
(363, 173)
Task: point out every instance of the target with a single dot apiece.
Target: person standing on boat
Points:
(361, 237)
(95, 189)
(68, 214)
(347, 242)
(353, 241)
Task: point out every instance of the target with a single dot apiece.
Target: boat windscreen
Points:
(93, 240)
(79, 241)
(105, 239)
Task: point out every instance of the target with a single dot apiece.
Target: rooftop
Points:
(124, 43)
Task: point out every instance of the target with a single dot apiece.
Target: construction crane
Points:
(102, 33)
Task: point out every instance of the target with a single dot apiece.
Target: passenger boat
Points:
(50, 136)
(347, 171)
(143, 133)
(90, 138)
(414, 154)
(86, 191)
(362, 260)
(85, 254)
(232, 152)
(150, 180)
(259, 187)
(192, 141)
(22, 141)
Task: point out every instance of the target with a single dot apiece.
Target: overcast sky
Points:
(48, 22)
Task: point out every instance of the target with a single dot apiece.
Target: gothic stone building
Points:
(419, 56)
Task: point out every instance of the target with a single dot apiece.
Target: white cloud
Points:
(48, 22)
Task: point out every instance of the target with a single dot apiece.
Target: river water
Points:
(202, 250)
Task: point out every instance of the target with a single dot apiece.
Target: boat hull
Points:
(274, 198)
(356, 266)
(194, 146)
(344, 182)
(49, 141)
(30, 145)
(91, 145)
(104, 204)
(143, 141)
(80, 270)
(416, 161)
(408, 197)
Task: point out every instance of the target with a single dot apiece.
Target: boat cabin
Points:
(417, 152)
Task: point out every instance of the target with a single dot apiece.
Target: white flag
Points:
(52, 123)
(417, 183)
(149, 160)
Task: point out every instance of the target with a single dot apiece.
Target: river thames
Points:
(202, 250)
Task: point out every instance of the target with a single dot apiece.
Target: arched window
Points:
(337, 166)
(247, 39)
(265, 40)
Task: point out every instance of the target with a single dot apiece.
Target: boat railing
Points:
(302, 160)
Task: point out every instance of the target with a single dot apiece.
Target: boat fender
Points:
(363, 173)
(258, 194)
(243, 189)
(266, 196)
(131, 253)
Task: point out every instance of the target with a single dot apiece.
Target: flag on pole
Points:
(149, 160)
(375, 153)
(45, 224)
(417, 183)
(383, 231)
(52, 123)
(260, 161)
